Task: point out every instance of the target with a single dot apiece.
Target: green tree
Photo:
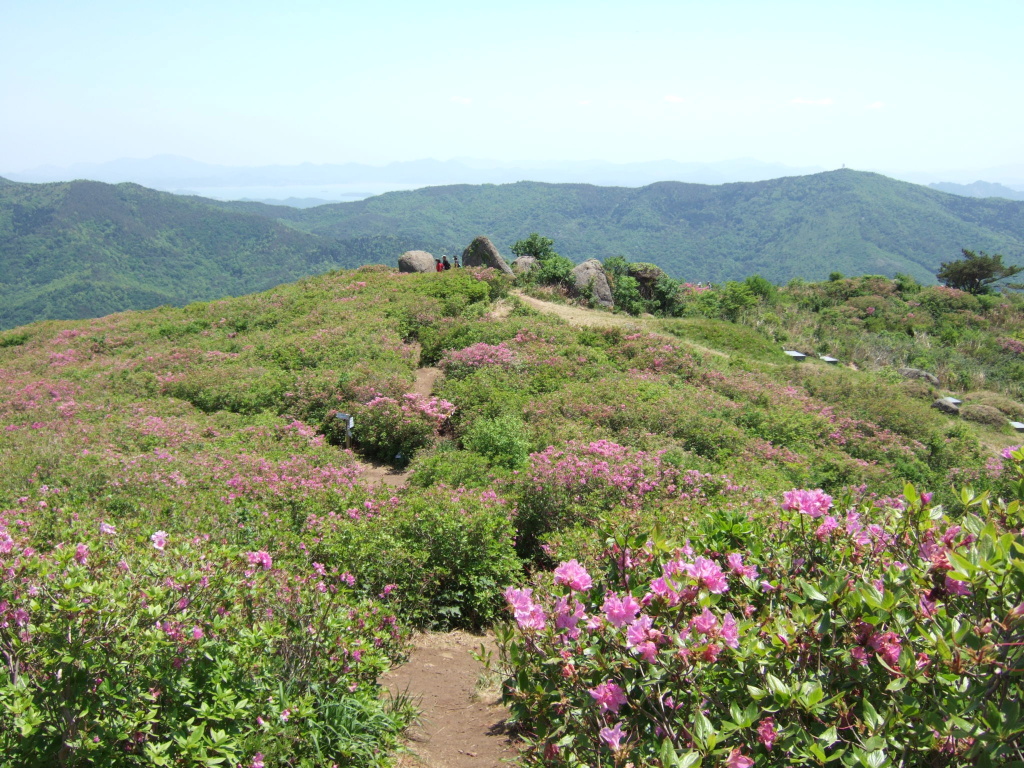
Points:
(541, 248)
(976, 272)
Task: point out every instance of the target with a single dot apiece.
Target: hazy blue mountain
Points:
(979, 189)
(171, 173)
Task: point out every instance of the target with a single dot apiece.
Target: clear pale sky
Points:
(891, 85)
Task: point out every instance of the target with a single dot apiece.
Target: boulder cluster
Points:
(589, 278)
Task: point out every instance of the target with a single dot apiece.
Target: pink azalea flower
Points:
(705, 623)
(637, 631)
(261, 558)
(81, 554)
(707, 573)
(730, 631)
(574, 576)
(738, 760)
(257, 760)
(159, 539)
(608, 696)
(766, 732)
(620, 611)
(735, 563)
(957, 587)
(613, 737)
(813, 503)
(107, 529)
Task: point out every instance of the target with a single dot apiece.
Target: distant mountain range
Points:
(174, 174)
(980, 189)
(82, 249)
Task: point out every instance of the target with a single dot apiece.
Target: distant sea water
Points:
(333, 192)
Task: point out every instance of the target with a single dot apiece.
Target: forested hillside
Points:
(803, 226)
(83, 249)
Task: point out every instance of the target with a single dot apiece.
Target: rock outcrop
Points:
(482, 253)
(416, 261)
(945, 405)
(590, 277)
(917, 373)
(524, 264)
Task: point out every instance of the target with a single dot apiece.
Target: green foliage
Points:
(781, 639)
(976, 273)
(503, 440)
(447, 555)
(541, 248)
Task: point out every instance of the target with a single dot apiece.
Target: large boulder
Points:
(917, 373)
(946, 405)
(482, 253)
(416, 261)
(590, 277)
(524, 264)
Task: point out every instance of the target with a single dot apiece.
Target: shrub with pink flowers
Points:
(880, 634)
(185, 652)
(387, 426)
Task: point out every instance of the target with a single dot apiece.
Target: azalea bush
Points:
(387, 426)
(441, 556)
(880, 634)
(186, 652)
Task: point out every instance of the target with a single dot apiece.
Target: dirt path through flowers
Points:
(463, 723)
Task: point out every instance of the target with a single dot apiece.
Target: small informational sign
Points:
(349, 421)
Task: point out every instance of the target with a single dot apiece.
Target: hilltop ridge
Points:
(84, 248)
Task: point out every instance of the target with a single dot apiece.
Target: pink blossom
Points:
(957, 587)
(1008, 452)
(81, 554)
(730, 631)
(285, 715)
(705, 623)
(813, 503)
(574, 576)
(197, 633)
(608, 696)
(257, 760)
(766, 732)
(828, 525)
(735, 563)
(613, 737)
(567, 615)
(107, 529)
(261, 558)
(620, 611)
(738, 760)
(707, 573)
(159, 539)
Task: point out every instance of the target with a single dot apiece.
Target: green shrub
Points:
(448, 555)
(503, 440)
(983, 414)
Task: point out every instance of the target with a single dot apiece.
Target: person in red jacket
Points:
(439, 266)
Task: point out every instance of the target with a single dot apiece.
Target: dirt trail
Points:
(462, 726)
(593, 318)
